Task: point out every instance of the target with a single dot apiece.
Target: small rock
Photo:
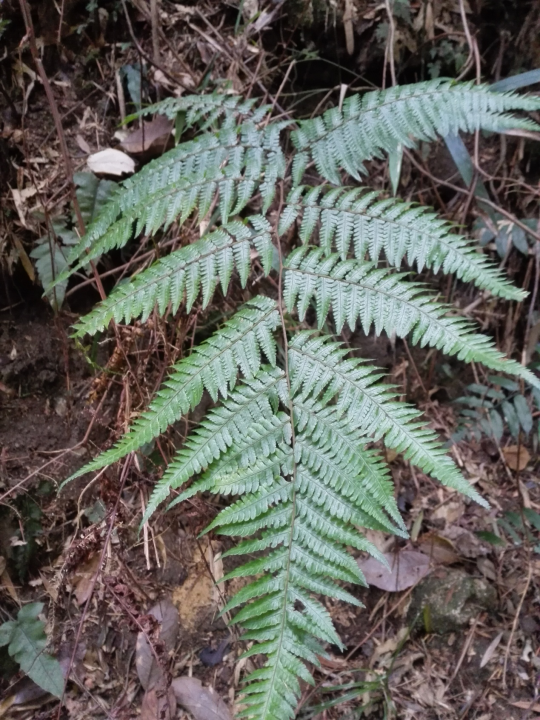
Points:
(453, 598)
(529, 625)
(61, 406)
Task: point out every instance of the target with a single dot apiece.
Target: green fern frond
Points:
(337, 473)
(355, 290)
(206, 110)
(330, 432)
(372, 225)
(213, 366)
(184, 274)
(230, 164)
(225, 427)
(290, 446)
(306, 555)
(381, 120)
(317, 367)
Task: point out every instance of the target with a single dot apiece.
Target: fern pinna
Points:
(290, 439)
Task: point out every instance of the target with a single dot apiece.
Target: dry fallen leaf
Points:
(438, 549)
(84, 578)
(81, 142)
(487, 568)
(159, 703)
(449, 511)
(20, 198)
(7, 583)
(111, 162)
(388, 648)
(465, 542)
(151, 140)
(407, 567)
(491, 650)
(202, 702)
(514, 459)
(215, 563)
(425, 695)
(525, 705)
(23, 257)
(148, 669)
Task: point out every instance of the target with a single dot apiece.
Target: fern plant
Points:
(290, 439)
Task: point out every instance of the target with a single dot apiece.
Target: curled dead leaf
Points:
(490, 652)
(465, 542)
(84, 578)
(439, 549)
(111, 162)
(7, 583)
(159, 703)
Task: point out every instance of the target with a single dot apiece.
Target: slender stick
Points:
(93, 582)
(30, 34)
(154, 13)
(391, 40)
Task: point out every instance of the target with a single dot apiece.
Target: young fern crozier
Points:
(288, 435)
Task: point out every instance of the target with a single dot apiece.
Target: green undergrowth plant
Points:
(26, 640)
(491, 410)
(288, 438)
(500, 407)
(517, 527)
(52, 251)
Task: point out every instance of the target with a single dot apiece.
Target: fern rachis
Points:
(290, 439)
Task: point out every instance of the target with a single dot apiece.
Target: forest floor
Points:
(454, 633)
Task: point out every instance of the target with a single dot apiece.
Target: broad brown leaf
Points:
(407, 567)
(514, 459)
(202, 702)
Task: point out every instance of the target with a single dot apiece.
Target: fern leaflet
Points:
(184, 274)
(382, 120)
(230, 164)
(356, 290)
(213, 366)
(400, 230)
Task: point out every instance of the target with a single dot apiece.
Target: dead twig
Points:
(516, 620)
(389, 54)
(154, 14)
(30, 36)
(143, 52)
(463, 191)
(86, 608)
